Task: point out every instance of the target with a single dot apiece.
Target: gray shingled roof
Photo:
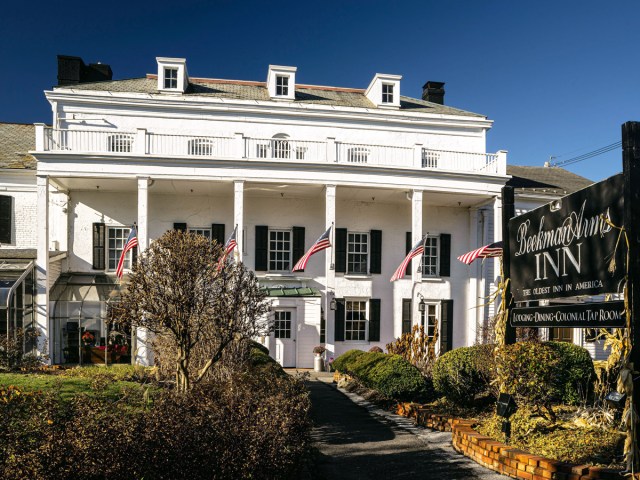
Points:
(258, 91)
(16, 139)
(545, 180)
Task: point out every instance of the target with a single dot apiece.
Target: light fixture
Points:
(333, 305)
(421, 306)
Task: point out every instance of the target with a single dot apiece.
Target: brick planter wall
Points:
(500, 457)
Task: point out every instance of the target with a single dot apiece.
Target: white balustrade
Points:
(142, 142)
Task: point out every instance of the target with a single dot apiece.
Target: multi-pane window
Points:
(279, 250)
(170, 78)
(357, 155)
(117, 238)
(205, 232)
(430, 257)
(282, 85)
(357, 252)
(282, 324)
(119, 142)
(281, 148)
(201, 146)
(300, 153)
(355, 324)
(430, 320)
(387, 93)
(262, 150)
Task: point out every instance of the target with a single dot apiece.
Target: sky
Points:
(558, 78)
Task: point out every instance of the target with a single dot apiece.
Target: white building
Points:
(283, 161)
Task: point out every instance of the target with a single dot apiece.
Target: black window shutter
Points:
(217, 233)
(446, 326)
(408, 247)
(341, 250)
(98, 246)
(180, 226)
(374, 320)
(262, 248)
(406, 315)
(339, 322)
(298, 245)
(375, 266)
(445, 255)
(6, 204)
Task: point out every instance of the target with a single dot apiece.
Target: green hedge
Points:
(461, 374)
(390, 375)
(576, 373)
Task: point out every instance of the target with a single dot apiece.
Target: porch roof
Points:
(291, 292)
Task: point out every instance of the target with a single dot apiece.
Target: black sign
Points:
(580, 315)
(565, 248)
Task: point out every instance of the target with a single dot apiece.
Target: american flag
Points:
(418, 249)
(131, 243)
(229, 247)
(322, 243)
(493, 250)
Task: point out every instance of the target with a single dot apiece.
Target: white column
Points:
(417, 155)
(331, 151)
(143, 352)
(140, 145)
(42, 267)
(416, 234)
(330, 271)
(473, 300)
(238, 214)
(40, 143)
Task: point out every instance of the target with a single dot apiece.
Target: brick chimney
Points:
(72, 70)
(433, 92)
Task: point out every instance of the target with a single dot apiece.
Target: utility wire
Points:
(588, 155)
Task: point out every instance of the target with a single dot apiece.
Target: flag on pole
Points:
(418, 249)
(493, 250)
(130, 244)
(229, 246)
(322, 243)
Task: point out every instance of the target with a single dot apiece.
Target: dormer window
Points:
(172, 75)
(281, 82)
(282, 85)
(384, 91)
(387, 93)
(171, 78)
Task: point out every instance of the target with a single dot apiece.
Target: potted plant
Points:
(317, 361)
(319, 350)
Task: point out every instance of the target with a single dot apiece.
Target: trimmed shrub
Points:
(390, 375)
(575, 375)
(463, 373)
(376, 349)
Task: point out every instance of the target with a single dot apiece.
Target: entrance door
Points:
(285, 337)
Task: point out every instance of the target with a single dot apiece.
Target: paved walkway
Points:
(357, 440)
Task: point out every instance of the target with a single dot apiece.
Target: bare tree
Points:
(181, 292)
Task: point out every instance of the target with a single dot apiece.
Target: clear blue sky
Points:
(557, 77)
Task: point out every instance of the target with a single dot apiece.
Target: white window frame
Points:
(289, 232)
(170, 78)
(202, 147)
(387, 93)
(120, 242)
(204, 231)
(349, 302)
(280, 146)
(367, 252)
(431, 311)
(429, 248)
(277, 331)
(282, 85)
(120, 143)
(358, 155)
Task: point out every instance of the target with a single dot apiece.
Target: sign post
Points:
(631, 170)
(508, 212)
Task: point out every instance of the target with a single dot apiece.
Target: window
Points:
(6, 211)
(387, 93)
(430, 158)
(282, 324)
(170, 78)
(282, 85)
(430, 258)
(301, 152)
(429, 320)
(357, 253)
(280, 146)
(120, 142)
(357, 155)
(262, 150)
(355, 326)
(561, 334)
(201, 146)
(279, 250)
(117, 237)
(205, 232)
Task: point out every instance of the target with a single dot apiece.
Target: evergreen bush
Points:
(575, 375)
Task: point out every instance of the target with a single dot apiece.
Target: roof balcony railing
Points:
(278, 148)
